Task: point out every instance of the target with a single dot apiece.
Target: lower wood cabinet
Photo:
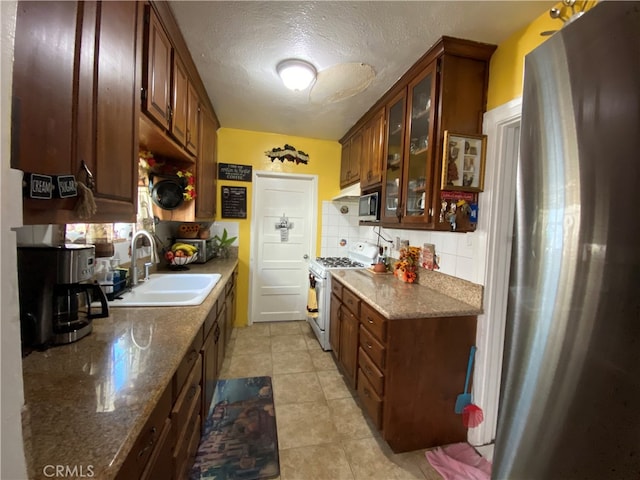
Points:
(230, 300)
(335, 323)
(150, 442)
(210, 366)
(408, 372)
(343, 330)
(349, 345)
(161, 462)
(185, 415)
(168, 443)
(370, 400)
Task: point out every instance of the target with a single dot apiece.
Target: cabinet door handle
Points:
(89, 180)
(366, 391)
(368, 370)
(192, 391)
(142, 452)
(369, 346)
(369, 320)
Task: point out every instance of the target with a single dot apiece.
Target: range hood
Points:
(349, 193)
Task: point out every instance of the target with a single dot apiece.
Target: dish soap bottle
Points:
(115, 273)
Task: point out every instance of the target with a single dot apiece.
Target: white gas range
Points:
(360, 255)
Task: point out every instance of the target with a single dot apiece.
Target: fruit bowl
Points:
(179, 263)
(184, 260)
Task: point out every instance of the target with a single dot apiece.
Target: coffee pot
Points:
(56, 294)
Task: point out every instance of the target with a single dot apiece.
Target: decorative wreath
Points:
(288, 152)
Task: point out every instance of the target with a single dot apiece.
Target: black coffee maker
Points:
(56, 294)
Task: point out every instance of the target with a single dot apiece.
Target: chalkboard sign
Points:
(234, 202)
(232, 171)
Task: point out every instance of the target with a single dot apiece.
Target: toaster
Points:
(206, 248)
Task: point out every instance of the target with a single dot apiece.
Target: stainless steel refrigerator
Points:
(570, 394)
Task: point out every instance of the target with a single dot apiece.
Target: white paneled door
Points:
(283, 233)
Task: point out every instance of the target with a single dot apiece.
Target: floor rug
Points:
(459, 461)
(239, 439)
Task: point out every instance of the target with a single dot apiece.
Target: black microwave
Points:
(369, 207)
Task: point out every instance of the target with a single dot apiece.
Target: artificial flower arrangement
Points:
(190, 189)
(147, 163)
(406, 268)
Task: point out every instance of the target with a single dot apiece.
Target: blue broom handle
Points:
(471, 355)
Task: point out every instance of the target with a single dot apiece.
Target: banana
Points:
(188, 249)
(185, 247)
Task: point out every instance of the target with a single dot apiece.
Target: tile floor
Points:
(322, 433)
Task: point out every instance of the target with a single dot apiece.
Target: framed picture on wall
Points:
(463, 162)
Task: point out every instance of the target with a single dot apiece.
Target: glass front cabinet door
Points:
(419, 143)
(409, 179)
(390, 211)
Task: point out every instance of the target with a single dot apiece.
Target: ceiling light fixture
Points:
(296, 74)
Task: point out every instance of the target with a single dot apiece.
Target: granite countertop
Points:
(86, 402)
(436, 294)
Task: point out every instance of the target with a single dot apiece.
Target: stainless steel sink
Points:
(167, 290)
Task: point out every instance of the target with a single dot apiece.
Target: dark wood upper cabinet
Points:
(157, 74)
(117, 108)
(444, 90)
(44, 79)
(188, 136)
(170, 97)
(179, 103)
(75, 91)
(371, 159)
(206, 167)
(351, 155)
(193, 113)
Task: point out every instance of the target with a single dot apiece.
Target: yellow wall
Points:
(248, 148)
(507, 63)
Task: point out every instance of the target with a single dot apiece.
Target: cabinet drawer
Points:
(187, 364)
(182, 453)
(150, 436)
(182, 408)
(371, 402)
(373, 373)
(372, 347)
(374, 322)
(351, 301)
(160, 462)
(209, 321)
(182, 470)
(336, 289)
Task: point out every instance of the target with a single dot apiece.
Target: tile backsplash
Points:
(340, 228)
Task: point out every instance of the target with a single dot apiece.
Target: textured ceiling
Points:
(236, 46)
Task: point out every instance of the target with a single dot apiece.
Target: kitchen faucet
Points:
(154, 256)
